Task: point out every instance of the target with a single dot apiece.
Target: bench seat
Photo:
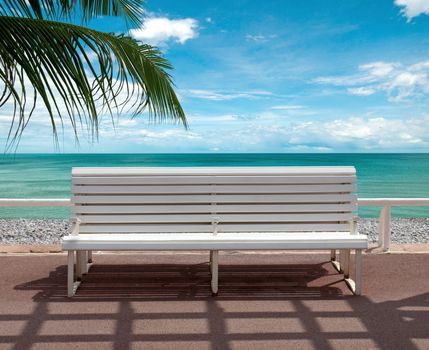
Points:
(221, 241)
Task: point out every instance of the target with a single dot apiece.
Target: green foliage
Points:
(78, 73)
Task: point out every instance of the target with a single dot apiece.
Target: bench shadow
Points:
(184, 281)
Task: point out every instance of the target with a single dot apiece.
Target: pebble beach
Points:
(31, 231)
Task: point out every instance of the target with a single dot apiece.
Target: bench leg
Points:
(333, 254)
(81, 267)
(81, 263)
(70, 273)
(335, 263)
(72, 284)
(89, 252)
(358, 269)
(343, 266)
(355, 286)
(341, 263)
(341, 259)
(78, 266)
(84, 262)
(346, 263)
(214, 262)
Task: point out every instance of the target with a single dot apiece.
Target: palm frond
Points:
(131, 10)
(50, 62)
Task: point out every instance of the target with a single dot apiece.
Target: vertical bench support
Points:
(355, 286)
(70, 273)
(78, 265)
(346, 263)
(341, 259)
(211, 262)
(214, 262)
(358, 271)
(84, 262)
(81, 263)
(72, 283)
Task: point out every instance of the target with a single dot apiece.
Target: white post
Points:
(381, 229)
(385, 229)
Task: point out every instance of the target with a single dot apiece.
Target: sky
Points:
(275, 76)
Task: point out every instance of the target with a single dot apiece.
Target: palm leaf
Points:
(131, 10)
(49, 62)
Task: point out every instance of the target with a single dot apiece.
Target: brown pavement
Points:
(163, 301)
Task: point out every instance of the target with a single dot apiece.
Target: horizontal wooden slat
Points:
(239, 198)
(207, 208)
(183, 228)
(214, 171)
(183, 189)
(207, 218)
(201, 180)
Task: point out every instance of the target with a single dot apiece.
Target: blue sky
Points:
(278, 76)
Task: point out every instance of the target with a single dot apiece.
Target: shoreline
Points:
(50, 232)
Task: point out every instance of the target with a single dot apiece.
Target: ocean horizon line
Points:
(245, 153)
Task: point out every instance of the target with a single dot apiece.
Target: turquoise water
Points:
(48, 175)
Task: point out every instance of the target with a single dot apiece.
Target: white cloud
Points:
(370, 73)
(160, 30)
(270, 131)
(361, 91)
(277, 135)
(224, 96)
(378, 69)
(413, 8)
(399, 82)
(259, 37)
(357, 133)
(287, 107)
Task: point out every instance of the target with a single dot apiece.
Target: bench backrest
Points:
(254, 199)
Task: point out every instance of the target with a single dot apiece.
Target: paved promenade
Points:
(266, 301)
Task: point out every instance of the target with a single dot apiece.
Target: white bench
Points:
(206, 208)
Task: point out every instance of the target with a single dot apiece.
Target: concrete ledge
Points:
(404, 248)
(414, 248)
(29, 248)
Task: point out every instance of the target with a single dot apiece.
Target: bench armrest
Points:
(75, 222)
(353, 226)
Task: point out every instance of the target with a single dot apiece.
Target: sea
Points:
(49, 175)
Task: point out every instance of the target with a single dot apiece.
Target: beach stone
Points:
(33, 231)
(403, 230)
(40, 231)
